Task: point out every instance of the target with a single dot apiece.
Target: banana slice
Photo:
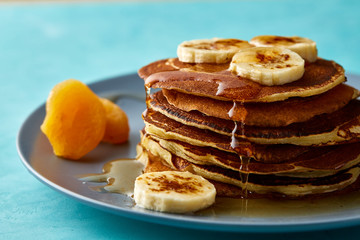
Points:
(268, 65)
(172, 191)
(214, 50)
(305, 47)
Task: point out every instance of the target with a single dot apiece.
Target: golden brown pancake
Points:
(325, 129)
(290, 186)
(258, 184)
(274, 114)
(318, 162)
(163, 127)
(215, 81)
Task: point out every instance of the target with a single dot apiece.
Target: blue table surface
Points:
(43, 44)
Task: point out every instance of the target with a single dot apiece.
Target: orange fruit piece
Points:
(75, 119)
(117, 124)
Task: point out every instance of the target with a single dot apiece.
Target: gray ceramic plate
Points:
(62, 175)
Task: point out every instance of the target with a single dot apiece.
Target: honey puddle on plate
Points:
(120, 176)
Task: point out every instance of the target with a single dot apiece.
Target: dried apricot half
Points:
(117, 124)
(75, 119)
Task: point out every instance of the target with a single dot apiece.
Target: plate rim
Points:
(184, 221)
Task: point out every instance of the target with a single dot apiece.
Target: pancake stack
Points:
(251, 138)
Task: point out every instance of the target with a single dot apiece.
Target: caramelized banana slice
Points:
(172, 191)
(214, 50)
(305, 47)
(268, 65)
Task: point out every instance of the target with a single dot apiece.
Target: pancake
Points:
(318, 162)
(326, 129)
(274, 114)
(295, 140)
(294, 187)
(215, 81)
(259, 184)
(163, 127)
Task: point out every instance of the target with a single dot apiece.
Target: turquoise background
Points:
(43, 44)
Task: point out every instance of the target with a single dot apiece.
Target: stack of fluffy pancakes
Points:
(248, 139)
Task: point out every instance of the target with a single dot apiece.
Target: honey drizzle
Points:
(244, 160)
